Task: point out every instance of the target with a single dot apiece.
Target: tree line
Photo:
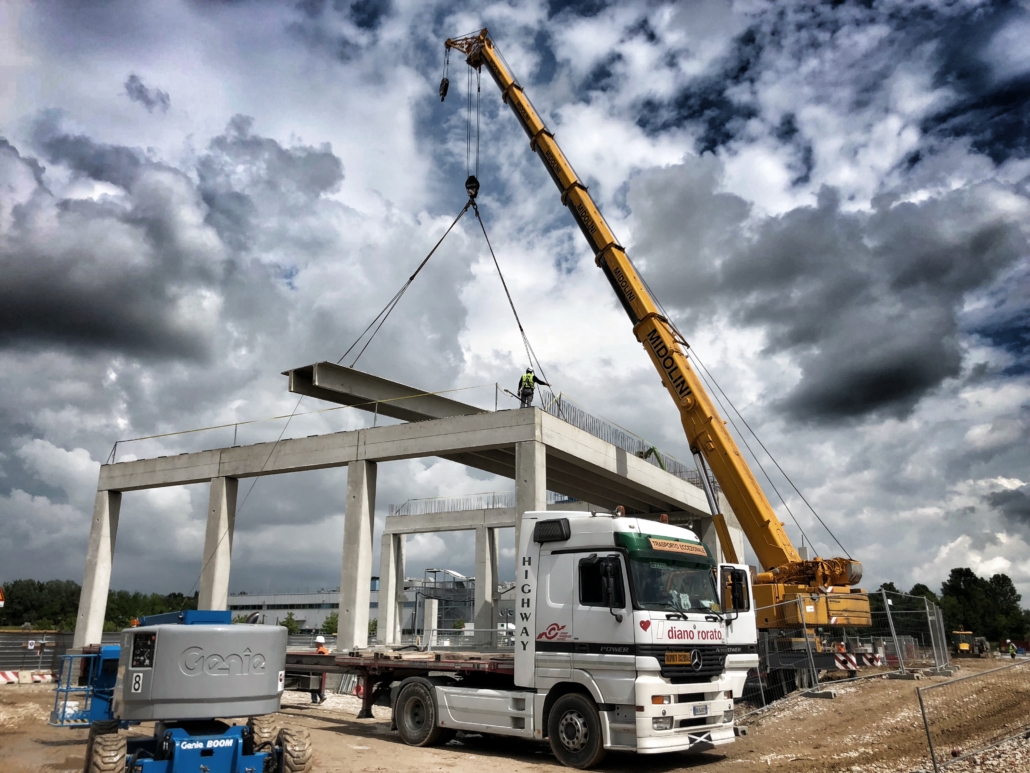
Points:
(53, 605)
(988, 607)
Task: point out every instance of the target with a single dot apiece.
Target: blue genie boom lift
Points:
(183, 671)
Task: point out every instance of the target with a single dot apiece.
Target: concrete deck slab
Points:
(578, 464)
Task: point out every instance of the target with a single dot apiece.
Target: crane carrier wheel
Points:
(107, 754)
(296, 750)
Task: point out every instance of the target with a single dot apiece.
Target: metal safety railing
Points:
(562, 407)
(74, 690)
(458, 639)
(968, 715)
(485, 501)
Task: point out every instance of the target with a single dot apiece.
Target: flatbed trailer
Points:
(378, 669)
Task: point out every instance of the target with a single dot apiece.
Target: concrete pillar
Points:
(736, 533)
(391, 590)
(486, 581)
(430, 621)
(221, 519)
(709, 537)
(530, 481)
(356, 575)
(96, 581)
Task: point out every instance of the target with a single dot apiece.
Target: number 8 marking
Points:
(137, 682)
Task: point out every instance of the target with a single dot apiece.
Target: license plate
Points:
(700, 711)
(677, 658)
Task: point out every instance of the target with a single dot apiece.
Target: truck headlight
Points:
(661, 700)
(661, 723)
(727, 716)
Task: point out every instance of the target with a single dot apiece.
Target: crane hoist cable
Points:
(771, 457)
(693, 352)
(382, 316)
(381, 319)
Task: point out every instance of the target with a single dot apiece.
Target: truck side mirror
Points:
(734, 590)
(608, 569)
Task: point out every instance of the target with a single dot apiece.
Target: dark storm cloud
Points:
(307, 171)
(149, 98)
(95, 273)
(123, 273)
(868, 303)
(1013, 504)
(575, 7)
(105, 163)
(710, 101)
(991, 108)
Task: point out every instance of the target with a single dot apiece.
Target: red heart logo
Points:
(645, 624)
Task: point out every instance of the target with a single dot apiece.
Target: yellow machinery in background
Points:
(825, 586)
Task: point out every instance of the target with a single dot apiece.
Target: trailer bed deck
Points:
(378, 669)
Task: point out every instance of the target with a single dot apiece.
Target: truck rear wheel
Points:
(416, 715)
(107, 754)
(296, 747)
(574, 730)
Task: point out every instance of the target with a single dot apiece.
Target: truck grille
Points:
(713, 658)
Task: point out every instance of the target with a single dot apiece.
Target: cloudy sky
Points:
(833, 201)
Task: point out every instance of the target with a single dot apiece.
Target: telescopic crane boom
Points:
(785, 576)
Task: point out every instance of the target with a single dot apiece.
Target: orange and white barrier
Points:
(25, 677)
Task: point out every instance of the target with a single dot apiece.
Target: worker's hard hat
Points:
(529, 370)
(319, 640)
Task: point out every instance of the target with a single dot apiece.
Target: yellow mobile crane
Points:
(785, 576)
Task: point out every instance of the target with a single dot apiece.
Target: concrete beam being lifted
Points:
(346, 386)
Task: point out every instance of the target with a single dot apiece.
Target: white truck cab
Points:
(628, 636)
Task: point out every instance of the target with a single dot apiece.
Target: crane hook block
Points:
(472, 186)
(444, 85)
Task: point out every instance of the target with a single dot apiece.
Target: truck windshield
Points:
(673, 585)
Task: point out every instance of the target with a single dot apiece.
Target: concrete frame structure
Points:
(539, 451)
(485, 523)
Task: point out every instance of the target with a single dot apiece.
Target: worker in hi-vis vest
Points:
(526, 386)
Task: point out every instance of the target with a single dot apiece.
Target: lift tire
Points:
(263, 732)
(416, 715)
(99, 727)
(574, 730)
(108, 754)
(296, 749)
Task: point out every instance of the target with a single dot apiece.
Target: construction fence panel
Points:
(795, 653)
(969, 714)
(39, 650)
(787, 658)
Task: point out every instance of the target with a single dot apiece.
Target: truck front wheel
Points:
(574, 730)
(416, 716)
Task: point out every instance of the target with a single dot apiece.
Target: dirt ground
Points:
(873, 726)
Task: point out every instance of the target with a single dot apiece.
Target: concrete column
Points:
(356, 575)
(96, 581)
(399, 596)
(391, 590)
(710, 537)
(430, 620)
(486, 581)
(221, 519)
(530, 481)
(736, 533)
